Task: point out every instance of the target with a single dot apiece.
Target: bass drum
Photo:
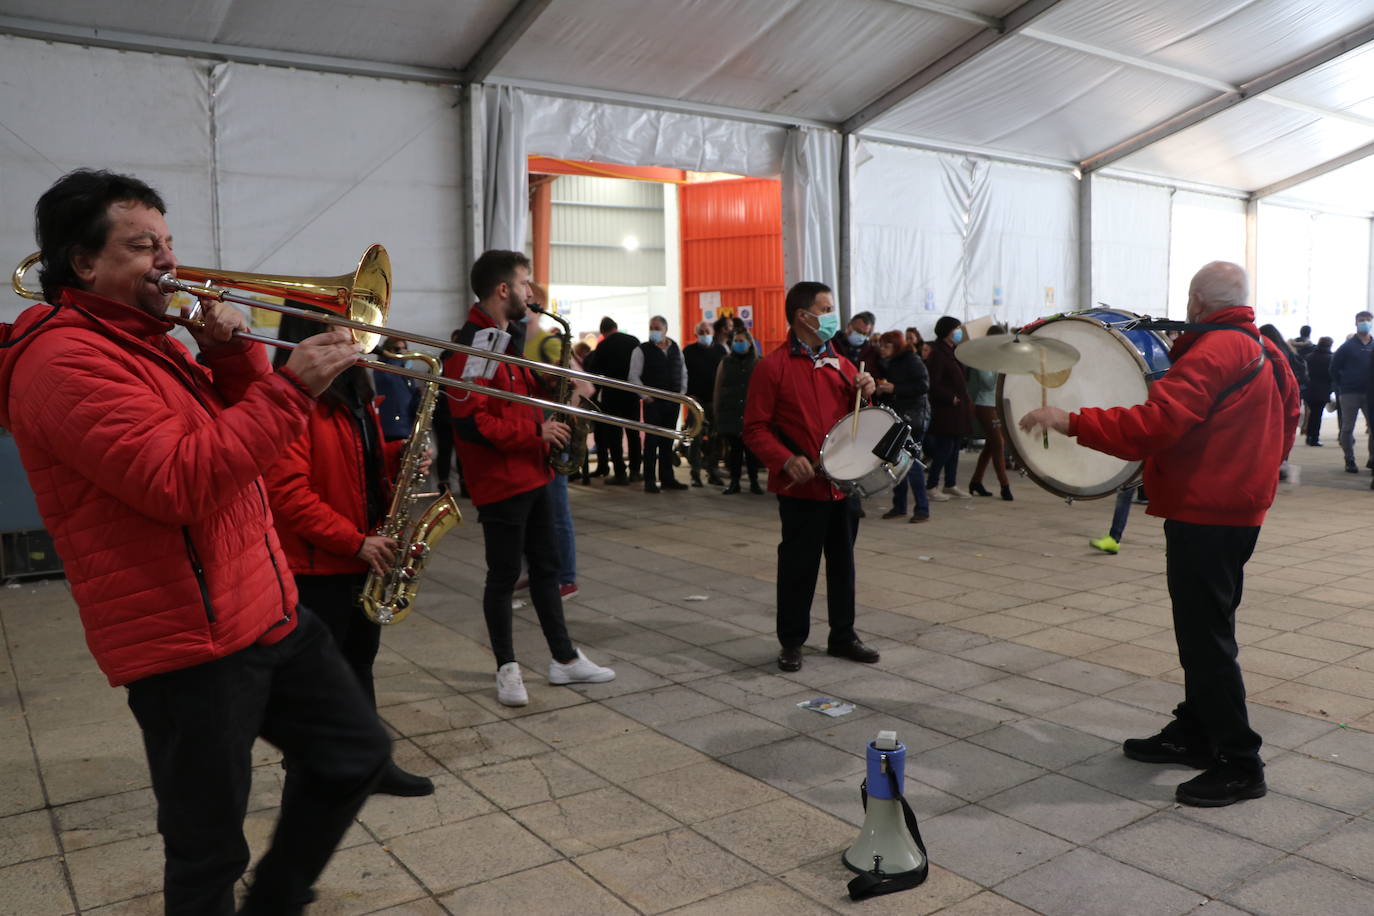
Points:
(1115, 370)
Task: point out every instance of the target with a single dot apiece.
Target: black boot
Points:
(754, 486)
(696, 478)
(733, 488)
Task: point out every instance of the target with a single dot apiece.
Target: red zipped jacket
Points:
(498, 441)
(1209, 459)
(147, 471)
(317, 488)
(790, 407)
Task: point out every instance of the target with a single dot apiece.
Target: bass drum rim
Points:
(1131, 474)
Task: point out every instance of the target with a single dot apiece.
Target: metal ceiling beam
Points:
(137, 41)
(951, 12)
(964, 149)
(1317, 171)
(992, 35)
(1260, 84)
(503, 39)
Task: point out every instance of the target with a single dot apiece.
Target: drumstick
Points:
(1044, 397)
(854, 424)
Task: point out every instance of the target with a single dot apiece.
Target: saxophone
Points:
(388, 598)
(570, 460)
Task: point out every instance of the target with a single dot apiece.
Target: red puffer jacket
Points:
(498, 441)
(318, 492)
(1209, 460)
(146, 467)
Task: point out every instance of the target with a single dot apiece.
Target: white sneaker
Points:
(936, 496)
(580, 670)
(510, 686)
(956, 493)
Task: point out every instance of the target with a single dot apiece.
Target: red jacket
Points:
(146, 467)
(1206, 462)
(318, 491)
(789, 399)
(498, 441)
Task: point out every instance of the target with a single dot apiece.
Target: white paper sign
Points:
(486, 339)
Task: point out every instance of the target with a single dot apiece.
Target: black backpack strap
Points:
(874, 883)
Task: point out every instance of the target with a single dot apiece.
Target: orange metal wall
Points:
(732, 244)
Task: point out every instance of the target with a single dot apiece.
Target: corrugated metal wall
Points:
(732, 246)
(592, 218)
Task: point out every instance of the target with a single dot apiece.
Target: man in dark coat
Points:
(611, 358)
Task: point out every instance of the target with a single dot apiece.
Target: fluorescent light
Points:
(631, 243)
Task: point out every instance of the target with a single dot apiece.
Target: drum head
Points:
(846, 457)
(1111, 373)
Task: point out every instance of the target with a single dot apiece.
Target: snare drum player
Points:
(1212, 435)
(796, 395)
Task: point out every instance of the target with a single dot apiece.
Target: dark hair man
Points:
(855, 344)
(796, 395)
(611, 358)
(504, 447)
(702, 359)
(1350, 377)
(147, 469)
(1212, 434)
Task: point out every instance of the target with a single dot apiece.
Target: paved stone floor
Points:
(1014, 661)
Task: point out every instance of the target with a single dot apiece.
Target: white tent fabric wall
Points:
(810, 208)
(1314, 269)
(1204, 228)
(66, 107)
(505, 185)
(1130, 251)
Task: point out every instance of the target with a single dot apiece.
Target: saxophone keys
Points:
(419, 550)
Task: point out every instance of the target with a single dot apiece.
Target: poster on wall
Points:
(746, 314)
(709, 304)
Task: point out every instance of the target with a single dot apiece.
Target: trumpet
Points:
(359, 301)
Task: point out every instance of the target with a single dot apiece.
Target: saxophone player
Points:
(504, 448)
(329, 490)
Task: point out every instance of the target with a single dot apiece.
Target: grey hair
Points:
(1221, 285)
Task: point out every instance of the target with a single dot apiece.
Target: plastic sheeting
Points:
(1130, 252)
(1203, 228)
(626, 135)
(505, 182)
(810, 208)
(1314, 269)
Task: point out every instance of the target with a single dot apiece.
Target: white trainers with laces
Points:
(956, 493)
(580, 670)
(937, 496)
(510, 686)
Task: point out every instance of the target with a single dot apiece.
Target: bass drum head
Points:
(1110, 373)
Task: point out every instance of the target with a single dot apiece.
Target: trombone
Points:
(359, 301)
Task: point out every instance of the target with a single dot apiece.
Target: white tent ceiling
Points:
(1240, 94)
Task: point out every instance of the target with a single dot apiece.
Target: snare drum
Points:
(850, 463)
(1116, 369)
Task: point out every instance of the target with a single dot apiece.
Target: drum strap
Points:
(1256, 364)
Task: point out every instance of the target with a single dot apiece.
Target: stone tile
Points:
(1064, 641)
(957, 715)
(150, 905)
(362, 879)
(1067, 808)
(779, 835)
(1279, 821)
(689, 664)
(466, 748)
(533, 891)
(543, 777)
(1108, 719)
(987, 904)
(702, 791)
(724, 732)
(1325, 783)
(854, 735)
(1341, 679)
(668, 870)
(1084, 882)
(35, 888)
(390, 816)
(116, 871)
(987, 847)
(1044, 744)
(1136, 659)
(824, 881)
(565, 728)
(1147, 783)
(954, 674)
(1025, 695)
(1344, 746)
(668, 704)
(763, 898)
(439, 715)
(87, 761)
(1296, 886)
(593, 820)
(425, 906)
(969, 771)
(1082, 676)
(24, 837)
(1316, 701)
(1323, 650)
(796, 764)
(629, 678)
(20, 789)
(473, 851)
(1187, 852)
(1010, 656)
(409, 687)
(1349, 849)
(747, 689)
(631, 756)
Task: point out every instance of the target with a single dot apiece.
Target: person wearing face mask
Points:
(797, 393)
(951, 411)
(855, 344)
(1350, 378)
(731, 386)
(658, 363)
(702, 359)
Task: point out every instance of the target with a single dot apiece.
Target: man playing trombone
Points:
(147, 470)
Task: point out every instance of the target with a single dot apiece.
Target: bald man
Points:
(1212, 436)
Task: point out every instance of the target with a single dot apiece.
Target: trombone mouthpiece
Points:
(169, 284)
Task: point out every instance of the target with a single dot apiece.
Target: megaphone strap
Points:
(873, 883)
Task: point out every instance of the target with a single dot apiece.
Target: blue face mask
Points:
(1362, 327)
(705, 339)
(856, 339)
(957, 336)
(740, 346)
(828, 327)
(656, 336)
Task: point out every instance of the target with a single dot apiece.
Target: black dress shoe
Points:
(636, 477)
(977, 489)
(696, 480)
(714, 479)
(1168, 747)
(1006, 494)
(855, 651)
(650, 488)
(671, 484)
(732, 489)
(619, 480)
(396, 781)
(790, 659)
(755, 488)
(1222, 784)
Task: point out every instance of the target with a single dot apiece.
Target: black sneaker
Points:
(1222, 784)
(1350, 468)
(1167, 747)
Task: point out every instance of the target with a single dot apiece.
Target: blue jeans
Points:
(1121, 513)
(563, 529)
(915, 481)
(943, 452)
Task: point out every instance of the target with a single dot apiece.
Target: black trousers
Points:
(523, 526)
(198, 729)
(1205, 568)
(334, 599)
(811, 527)
(1315, 409)
(658, 451)
(704, 452)
(737, 454)
(629, 450)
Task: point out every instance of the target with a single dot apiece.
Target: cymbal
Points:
(1017, 355)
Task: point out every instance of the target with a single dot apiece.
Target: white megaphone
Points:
(889, 854)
